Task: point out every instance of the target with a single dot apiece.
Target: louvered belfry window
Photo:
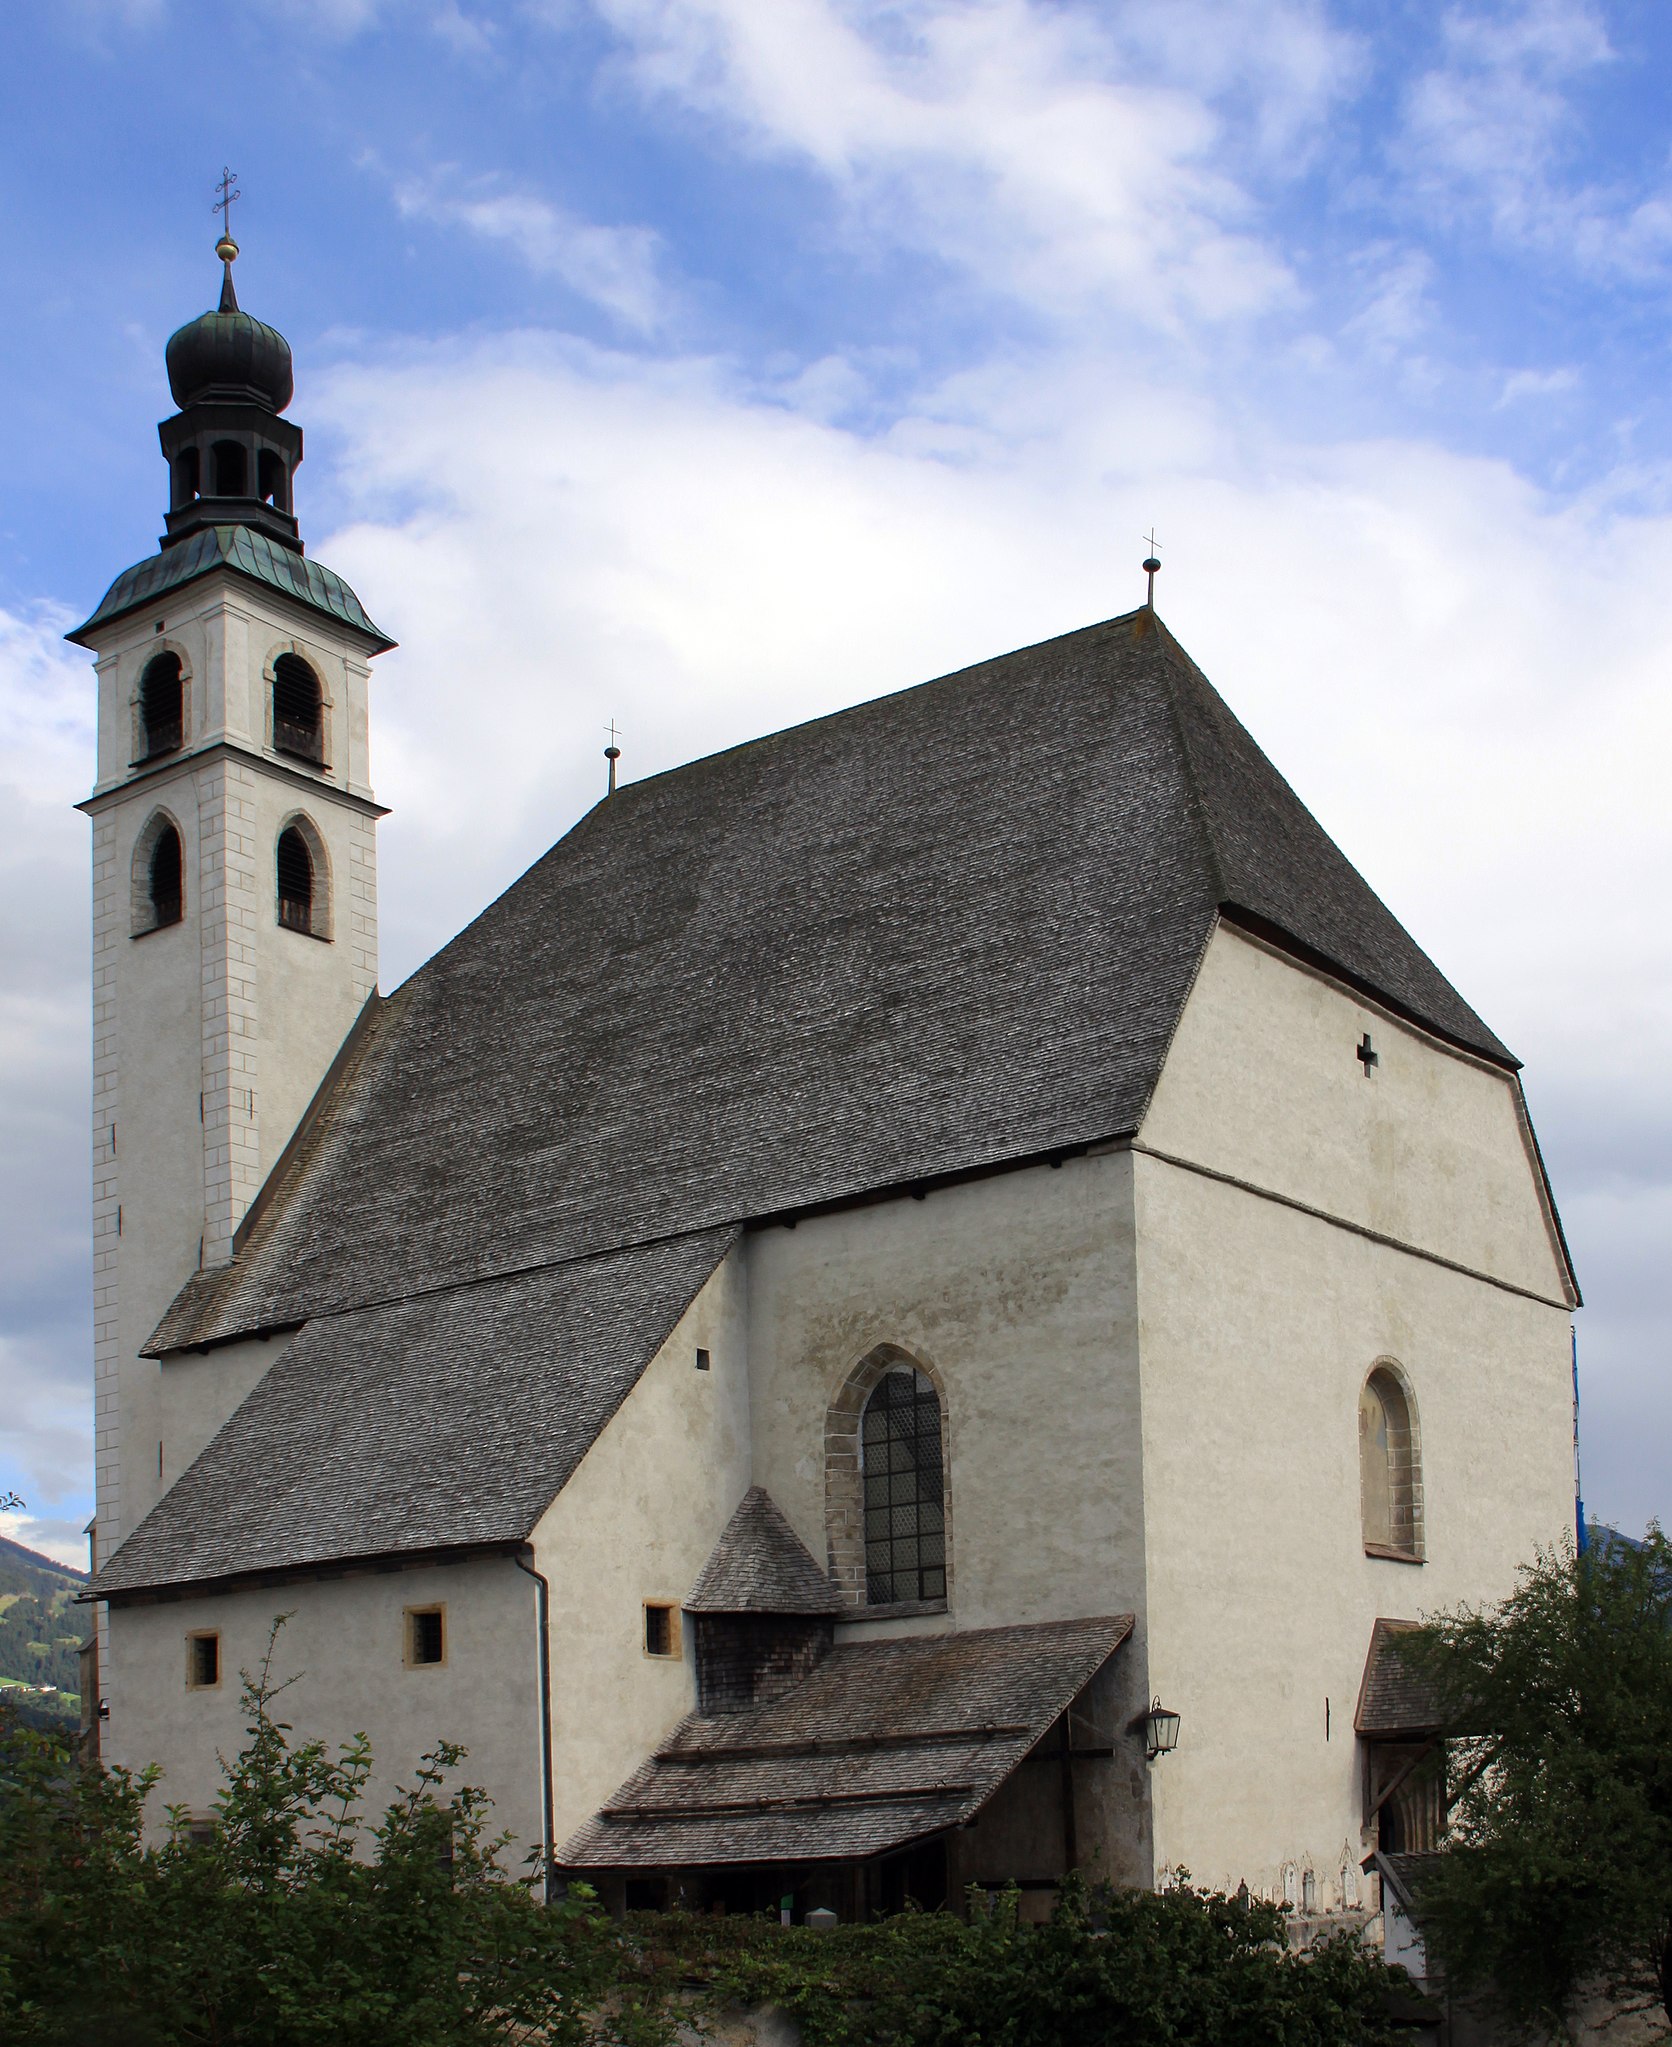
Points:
(166, 879)
(161, 704)
(296, 881)
(296, 709)
(905, 1496)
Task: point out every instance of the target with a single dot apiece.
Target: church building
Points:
(915, 1305)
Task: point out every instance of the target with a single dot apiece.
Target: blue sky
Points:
(707, 364)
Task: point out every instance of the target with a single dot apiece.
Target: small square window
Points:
(661, 1629)
(702, 1360)
(203, 1660)
(426, 1635)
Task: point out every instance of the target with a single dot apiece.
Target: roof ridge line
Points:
(906, 689)
(1175, 658)
(454, 1286)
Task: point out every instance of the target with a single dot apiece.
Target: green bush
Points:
(300, 1923)
(1175, 1968)
(296, 1924)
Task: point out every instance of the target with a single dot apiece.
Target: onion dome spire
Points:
(231, 457)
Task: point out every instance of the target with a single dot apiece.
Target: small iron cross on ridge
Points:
(1366, 1054)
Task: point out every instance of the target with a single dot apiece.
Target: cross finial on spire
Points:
(1152, 565)
(226, 248)
(228, 189)
(612, 753)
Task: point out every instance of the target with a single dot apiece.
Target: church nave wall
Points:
(1260, 1326)
(1263, 1081)
(346, 1644)
(198, 1391)
(636, 1523)
(1016, 1290)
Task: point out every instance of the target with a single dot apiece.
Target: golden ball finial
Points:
(227, 249)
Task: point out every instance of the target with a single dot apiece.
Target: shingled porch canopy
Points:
(885, 1749)
(1399, 1721)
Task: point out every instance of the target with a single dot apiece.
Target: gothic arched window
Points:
(1390, 1466)
(161, 706)
(159, 876)
(905, 1517)
(296, 881)
(298, 723)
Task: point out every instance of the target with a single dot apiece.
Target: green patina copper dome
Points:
(228, 355)
(255, 555)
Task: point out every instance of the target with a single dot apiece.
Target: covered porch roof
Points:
(882, 1744)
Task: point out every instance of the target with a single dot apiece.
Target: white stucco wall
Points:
(1262, 1082)
(1019, 1291)
(197, 1392)
(345, 1645)
(210, 1036)
(636, 1522)
(1258, 1325)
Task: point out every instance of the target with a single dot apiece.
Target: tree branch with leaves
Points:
(1555, 1881)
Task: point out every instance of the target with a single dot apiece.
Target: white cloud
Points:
(1524, 384)
(63, 1541)
(614, 267)
(1463, 676)
(1494, 130)
(1033, 146)
(46, 702)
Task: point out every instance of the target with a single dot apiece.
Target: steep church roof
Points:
(442, 1423)
(946, 931)
(943, 931)
(760, 1565)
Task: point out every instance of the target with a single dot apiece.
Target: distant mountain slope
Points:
(41, 1627)
(18, 1564)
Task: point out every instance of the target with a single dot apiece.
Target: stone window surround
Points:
(1405, 1457)
(161, 644)
(323, 924)
(195, 1681)
(675, 1651)
(318, 664)
(409, 1635)
(142, 920)
(844, 1494)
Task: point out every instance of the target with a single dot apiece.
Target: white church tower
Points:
(234, 872)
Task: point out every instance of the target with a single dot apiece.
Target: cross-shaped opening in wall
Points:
(1366, 1054)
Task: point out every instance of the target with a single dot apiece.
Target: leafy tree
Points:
(299, 1922)
(1556, 1878)
(295, 1923)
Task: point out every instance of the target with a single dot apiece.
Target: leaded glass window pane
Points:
(905, 1539)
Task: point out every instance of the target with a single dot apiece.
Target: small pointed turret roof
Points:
(760, 1565)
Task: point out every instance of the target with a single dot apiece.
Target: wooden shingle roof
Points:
(883, 1743)
(942, 931)
(760, 1565)
(1395, 1702)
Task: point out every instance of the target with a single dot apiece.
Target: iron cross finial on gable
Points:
(612, 753)
(1152, 565)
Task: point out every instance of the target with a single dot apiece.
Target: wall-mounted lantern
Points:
(1161, 1731)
